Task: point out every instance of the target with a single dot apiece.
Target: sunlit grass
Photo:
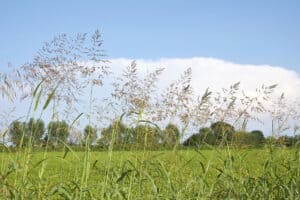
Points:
(185, 174)
(156, 164)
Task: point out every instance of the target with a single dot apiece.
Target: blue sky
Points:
(224, 41)
(245, 32)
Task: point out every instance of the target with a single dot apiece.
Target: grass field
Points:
(186, 174)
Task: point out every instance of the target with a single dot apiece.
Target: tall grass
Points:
(144, 172)
(221, 172)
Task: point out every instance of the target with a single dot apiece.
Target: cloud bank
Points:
(217, 74)
(211, 73)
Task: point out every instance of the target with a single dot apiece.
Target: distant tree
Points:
(194, 140)
(222, 131)
(36, 129)
(204, 136)
(58, 130)
(271, 140)
(17, 131)
(296, 140)
(90, 133)
(257, 137)
(171, 134)
(115, 134)
(33, 130)
(281, 141)
(146, 136)
(207, 136)
(284, 140)
(242, 139)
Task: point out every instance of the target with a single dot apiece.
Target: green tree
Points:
(58, 130)
(204, 136)
(146, 136)
(90, 133)
(284, 140)
(194, 140)
(115, 134)
(33, 130)
(222, 131)
(242, 139)
(257, 137)
(17, 131)
(207, 136)
(36, 129)
(171, 134)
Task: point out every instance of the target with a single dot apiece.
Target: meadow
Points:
(134, 144)
(268, 173)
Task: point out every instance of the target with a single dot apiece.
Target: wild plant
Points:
(67, 67)
(70, 64)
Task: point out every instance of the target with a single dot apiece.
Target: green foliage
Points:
(293, 141)
(204, 137)
(141, 136)
(188, 174)
(36, 129)
(219, 130)
(242, 139)
(146, 136)
(171, 135)
(248, 139)
(17, 131)
(284, 141)
(123, 137)
(222, 131)
(23, 132)
(207, 136)
(221, 173)
(257, 137)
(58, 130)
(194, 140)
(115, 134)
(90, 133)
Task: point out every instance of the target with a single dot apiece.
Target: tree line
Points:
(119, 136)
(34, 132)
(67, 68)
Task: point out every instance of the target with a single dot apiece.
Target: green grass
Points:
(185, 174)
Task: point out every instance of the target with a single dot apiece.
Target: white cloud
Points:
(206, 72)
(216, 73)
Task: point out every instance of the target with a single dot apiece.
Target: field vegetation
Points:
(141, 141)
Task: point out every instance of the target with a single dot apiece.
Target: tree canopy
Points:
(90, 133)
(24, 132)
(58, 131)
